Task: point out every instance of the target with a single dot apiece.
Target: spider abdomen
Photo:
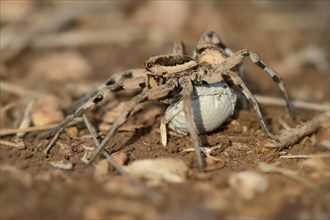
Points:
(212, 106)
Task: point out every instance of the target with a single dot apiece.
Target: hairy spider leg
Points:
(116, 77)
(158, 93)
(110, 86)
(187, 92)
(179, 47)
(149, 193)
(213, 38)
(231, 77)
(238, 57)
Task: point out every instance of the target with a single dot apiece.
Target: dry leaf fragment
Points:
(156, 170)
(45, 111)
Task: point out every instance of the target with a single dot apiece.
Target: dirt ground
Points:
(293, 37)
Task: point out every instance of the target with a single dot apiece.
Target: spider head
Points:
(210, 55)
(169, 64)
(164, 66)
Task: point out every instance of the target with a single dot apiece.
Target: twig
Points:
(284, 124)
(266, 100)
(11, 144)
(325, 155)
(291, 136)
(51, 143)
(5, 132)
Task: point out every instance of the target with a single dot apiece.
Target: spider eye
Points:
(149, 65)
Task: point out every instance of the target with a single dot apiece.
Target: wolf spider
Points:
(167, 77)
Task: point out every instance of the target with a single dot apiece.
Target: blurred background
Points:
(105, 36)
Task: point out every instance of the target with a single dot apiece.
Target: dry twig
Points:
(5, 132)
(325, 155)
(11, 144)
(289, 137)
(266, 100)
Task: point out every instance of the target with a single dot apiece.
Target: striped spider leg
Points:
(238, 57)
(178, 48)
(187, 84)
(116, 77)
(210, 37)
(163, 79)
(158, 93)
(222, 71)
(187, 93)
(130, 79)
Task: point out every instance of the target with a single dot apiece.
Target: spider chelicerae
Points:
(176, 77)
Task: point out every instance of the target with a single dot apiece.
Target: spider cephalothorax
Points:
(210, 54)
(186, 82)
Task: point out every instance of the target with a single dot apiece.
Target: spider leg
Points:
(231, 77)
(237, 58)
(116, 77)
(178, 47)
(104, 90)
(187, 92)
(150, 194)
(158, 93)
(212, 38)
